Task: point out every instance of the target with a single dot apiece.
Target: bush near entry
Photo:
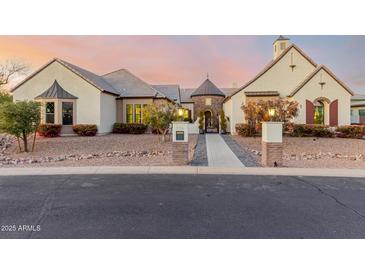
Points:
(304, 130)
(245, 130)
(129, 128)
(49, 130)
(85, 129)
(356, 132)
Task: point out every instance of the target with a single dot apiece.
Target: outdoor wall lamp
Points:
(272, 112)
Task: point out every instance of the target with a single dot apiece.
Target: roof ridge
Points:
(115, 71)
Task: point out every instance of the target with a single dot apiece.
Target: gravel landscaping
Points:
(112, 149)
(314, 152)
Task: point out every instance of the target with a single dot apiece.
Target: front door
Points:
(208, 120)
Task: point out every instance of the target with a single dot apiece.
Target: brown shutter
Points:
(334, 113)
(309, 112)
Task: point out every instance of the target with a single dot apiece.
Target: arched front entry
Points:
(322, 111)
(208, 120)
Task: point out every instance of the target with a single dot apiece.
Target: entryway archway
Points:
(208, 120)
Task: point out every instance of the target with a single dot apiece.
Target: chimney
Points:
(279, 45)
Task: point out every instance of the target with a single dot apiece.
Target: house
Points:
(358, 109)
(292, 74)
(73, 95)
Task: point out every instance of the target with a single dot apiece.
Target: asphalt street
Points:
(181, 206)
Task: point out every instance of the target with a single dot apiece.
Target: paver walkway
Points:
(219, 154)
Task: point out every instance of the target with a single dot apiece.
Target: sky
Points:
(186, 60)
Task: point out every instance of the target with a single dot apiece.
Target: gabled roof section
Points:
(310, 76)
(55, 92)
(170, 91)
(207, 88)
(271, 64)
(130, 85)
(91, 78)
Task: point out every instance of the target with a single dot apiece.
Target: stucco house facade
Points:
(73, 95)
(292, 74)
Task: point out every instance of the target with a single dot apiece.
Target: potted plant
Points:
(201, 122)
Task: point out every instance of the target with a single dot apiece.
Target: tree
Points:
(223, 121)
(5, 97)
(257, 112)
(20, 119)
(159, 117)
(9, 70)
(201, 120)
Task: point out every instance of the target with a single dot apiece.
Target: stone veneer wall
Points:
(215, 107)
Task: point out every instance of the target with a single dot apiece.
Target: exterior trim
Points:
(271, 64)
(313, 74)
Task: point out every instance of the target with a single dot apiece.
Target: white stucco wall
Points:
(89, 100)
(108, 112)
(279, 78)
(331, 90)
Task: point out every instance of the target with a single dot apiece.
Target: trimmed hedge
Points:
(129, 128)
(303, 130)
(49, 130)
(354, 131)
(245, 130)
(85, 129)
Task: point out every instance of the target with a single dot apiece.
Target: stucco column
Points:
(272, 144)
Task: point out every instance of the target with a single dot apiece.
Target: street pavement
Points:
(181, 206)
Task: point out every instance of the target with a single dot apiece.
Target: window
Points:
(319, 113)
(67, 113)
(129, 113)
(186, 114)
(137, 113)
(361, 112)
(50, 113)
(208, 101)
(282, 46)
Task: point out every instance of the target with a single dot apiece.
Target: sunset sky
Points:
(186, 60)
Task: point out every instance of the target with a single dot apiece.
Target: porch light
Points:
(272, 112)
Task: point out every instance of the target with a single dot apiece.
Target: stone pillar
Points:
(180, 145)
(272, 144)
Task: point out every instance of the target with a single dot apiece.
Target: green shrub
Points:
(133, 128)
(85, 129)
(223, 121)
(49, 130)
(187, 119)
(356, 132)
(303, 130)
(245, 130)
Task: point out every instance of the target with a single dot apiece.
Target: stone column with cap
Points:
(272, 144)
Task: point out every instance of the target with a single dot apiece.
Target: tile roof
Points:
(207, 88)
(262, 93)
(130, 85)
(171, 91)
(55, 92)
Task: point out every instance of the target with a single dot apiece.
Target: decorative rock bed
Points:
(5, 160)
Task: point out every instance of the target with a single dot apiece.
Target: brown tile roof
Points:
(262, 93)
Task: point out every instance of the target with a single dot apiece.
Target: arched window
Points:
(319, 113)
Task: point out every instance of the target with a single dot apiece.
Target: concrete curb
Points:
(356, 173)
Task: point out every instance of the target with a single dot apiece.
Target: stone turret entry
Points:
(208, 100)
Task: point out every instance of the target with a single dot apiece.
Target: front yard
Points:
(314, 152)
(112, 149)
